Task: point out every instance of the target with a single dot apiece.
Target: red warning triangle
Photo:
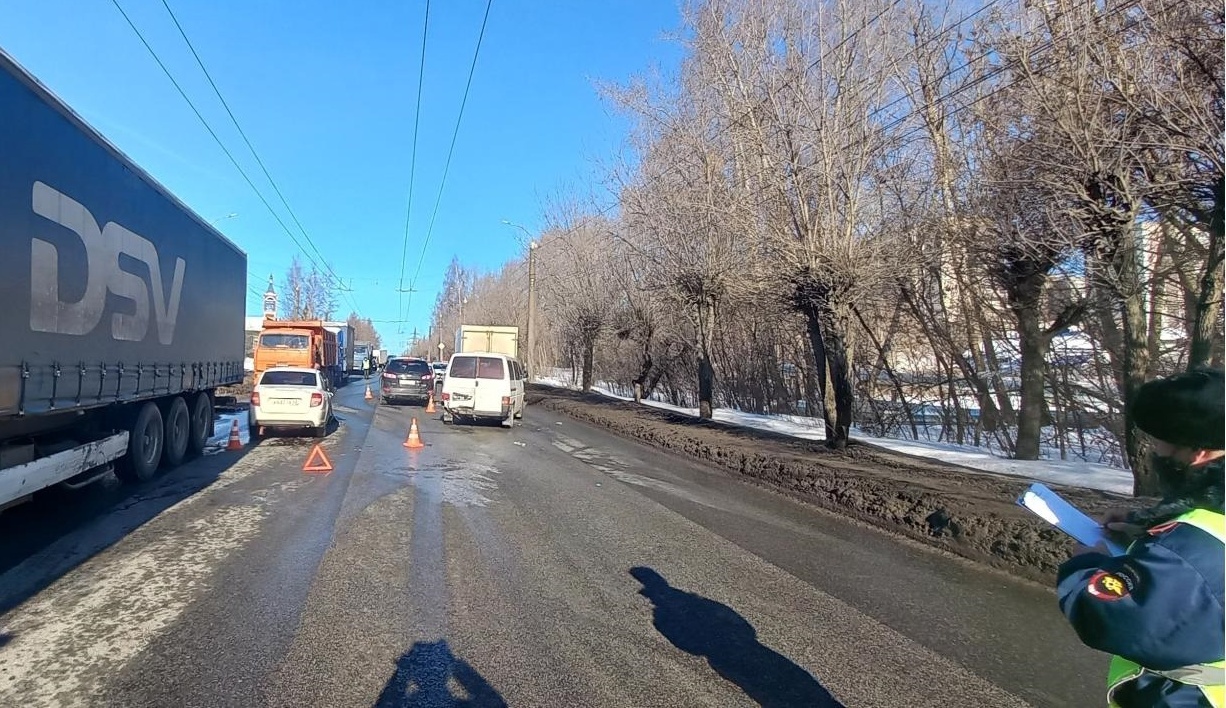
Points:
(317, 461)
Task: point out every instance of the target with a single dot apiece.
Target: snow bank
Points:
(1087, 475)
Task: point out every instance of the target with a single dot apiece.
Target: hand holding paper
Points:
(1053, 509)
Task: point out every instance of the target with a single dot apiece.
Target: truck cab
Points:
(301, 344)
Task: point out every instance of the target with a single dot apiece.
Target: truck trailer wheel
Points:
(178, 429)
(144, 446)
(202, 424)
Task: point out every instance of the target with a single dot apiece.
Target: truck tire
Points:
(178, 432)
(202, 424)
(144, 446)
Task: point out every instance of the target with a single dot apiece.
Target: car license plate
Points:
(286, 401)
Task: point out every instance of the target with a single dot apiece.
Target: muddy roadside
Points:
(971, 514)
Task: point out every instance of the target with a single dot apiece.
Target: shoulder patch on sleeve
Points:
(1109, 586)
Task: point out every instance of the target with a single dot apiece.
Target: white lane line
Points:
(75, 635)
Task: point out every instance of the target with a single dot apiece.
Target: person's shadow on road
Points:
(423, 677)
(706, 628)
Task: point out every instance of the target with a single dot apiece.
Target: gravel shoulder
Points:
(970, 513)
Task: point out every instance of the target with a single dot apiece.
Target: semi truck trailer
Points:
(124, 309)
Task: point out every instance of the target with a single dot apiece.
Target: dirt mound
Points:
(972, 514)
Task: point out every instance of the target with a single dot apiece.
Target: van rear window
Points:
(463, 367)
(490, 368)
(472, 367)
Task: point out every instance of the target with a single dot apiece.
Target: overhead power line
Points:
(450, 151)
(213, 134)
(242, 133)
(408, 209)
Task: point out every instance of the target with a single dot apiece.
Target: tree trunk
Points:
(706, 371)
(645, 367)
(834, 334)
(1026, 304)
(817, 343)
(1202, 329)
(589, 359)
(1136, 363)
(1121, 269)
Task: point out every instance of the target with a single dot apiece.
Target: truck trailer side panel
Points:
(115, 290)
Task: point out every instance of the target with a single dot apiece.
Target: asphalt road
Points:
(549, 565)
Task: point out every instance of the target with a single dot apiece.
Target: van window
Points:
(516, 370)
(463, 367)
(490, 368)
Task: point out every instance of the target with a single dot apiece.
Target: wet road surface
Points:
(548, 565)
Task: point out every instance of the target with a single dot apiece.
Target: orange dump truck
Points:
(299, 343)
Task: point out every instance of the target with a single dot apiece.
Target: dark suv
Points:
(407, 380)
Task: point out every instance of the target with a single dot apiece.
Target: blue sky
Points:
(326, 92)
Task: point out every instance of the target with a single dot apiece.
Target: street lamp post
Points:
(528, 360)
(532, 246)
(222, 218)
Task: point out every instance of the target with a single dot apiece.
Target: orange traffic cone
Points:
(369, 396)
(414, 440)
(235, 442)
(430, 403)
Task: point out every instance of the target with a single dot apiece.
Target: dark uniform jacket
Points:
(1160, 605)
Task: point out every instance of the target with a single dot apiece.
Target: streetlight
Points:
(532, 246)
(222, 218)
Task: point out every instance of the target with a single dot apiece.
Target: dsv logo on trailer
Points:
(103, 247)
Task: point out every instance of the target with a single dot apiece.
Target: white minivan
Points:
(483, 386)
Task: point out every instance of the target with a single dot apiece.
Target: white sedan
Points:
(291, 397)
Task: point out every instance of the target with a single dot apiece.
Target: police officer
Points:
(1158, 609)
(366, 368)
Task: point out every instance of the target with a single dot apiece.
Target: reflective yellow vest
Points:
(1209, 677)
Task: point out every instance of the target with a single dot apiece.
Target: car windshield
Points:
(404, 366)
(285, 341)
(289, 378)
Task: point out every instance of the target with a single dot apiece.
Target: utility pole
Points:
(532, 246)
(528, 359)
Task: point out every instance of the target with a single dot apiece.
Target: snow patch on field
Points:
(1072, 473)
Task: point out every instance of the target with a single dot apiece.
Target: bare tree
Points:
(678, 215)
(294, 300)
(364, 330)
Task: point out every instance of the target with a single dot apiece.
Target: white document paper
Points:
(1053, 509)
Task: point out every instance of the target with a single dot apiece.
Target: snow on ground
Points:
(222, 424)
(1071, 473)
